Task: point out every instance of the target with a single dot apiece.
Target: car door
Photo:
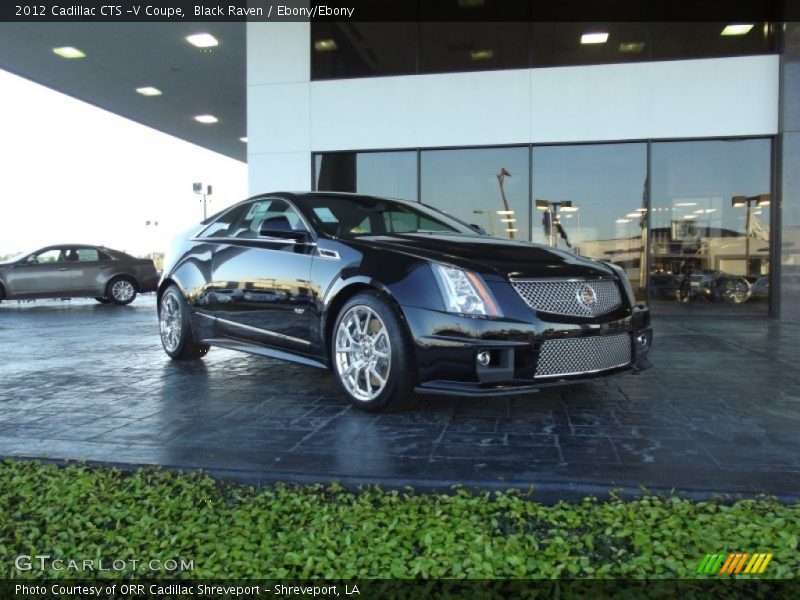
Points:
(90, 270)
(260, 285)
(42, 274)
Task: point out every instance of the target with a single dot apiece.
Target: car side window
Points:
(90, 255)
(224, 225)
(265, 210)
(48, 256)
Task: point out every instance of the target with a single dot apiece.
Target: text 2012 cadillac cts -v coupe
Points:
(396, 298)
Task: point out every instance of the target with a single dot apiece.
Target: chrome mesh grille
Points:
(572, 356)
(562, 296)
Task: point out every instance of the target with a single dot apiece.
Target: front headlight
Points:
(464, 292)
(626, 283)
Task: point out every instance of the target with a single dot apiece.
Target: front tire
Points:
(121, 290)
(372, 354)
(103, 300)
(177, 336)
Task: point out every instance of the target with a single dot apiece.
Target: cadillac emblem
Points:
(587, 297)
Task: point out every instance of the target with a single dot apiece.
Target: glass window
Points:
(91, 255)
(710, 225)
(222, 226)
(48, 256)
(358, 215)
(485, 186)
(453, 47)
(340, 50)
(592, 199)
(559, 44)
(275, 211)
(700, 40)
(390, 174)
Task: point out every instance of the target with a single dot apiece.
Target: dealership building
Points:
(670, 148)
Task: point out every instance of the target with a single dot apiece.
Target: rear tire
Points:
(177, 336)
(121, 290)
(372, 354)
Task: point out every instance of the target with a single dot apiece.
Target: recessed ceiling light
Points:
(623, 220)
(504, 212)
(739, 29)
(569, 208)
(68, 52)
(508, 220)
(686, 204)
(633, 215)
(202, 40)
(325, 45)
(206, 118)
(482, 54)
(600, 37)
(149, 91)
(243, 139)
(631, 47)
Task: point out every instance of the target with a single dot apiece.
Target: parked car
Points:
(760, 289)
(396, 298)
(712, 285)
(77, 270)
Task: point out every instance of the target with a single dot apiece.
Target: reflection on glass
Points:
(710, 236)
(487, 187)
(581, 43)
(472, 46)
(592, 199)
(340, 50)
(700, 40)
(390, 174)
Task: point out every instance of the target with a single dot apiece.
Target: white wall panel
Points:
(427, 110)
(279, 172)
(278, 52)
(690, 98)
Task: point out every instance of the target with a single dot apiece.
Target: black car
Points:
(396, 298)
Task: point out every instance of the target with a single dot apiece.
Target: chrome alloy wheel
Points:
(363, 353)
(169, 319)
(122, 290)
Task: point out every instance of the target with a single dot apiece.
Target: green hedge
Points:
(290, 531)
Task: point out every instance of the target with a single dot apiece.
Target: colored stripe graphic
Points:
(733, 563)
(765, 563)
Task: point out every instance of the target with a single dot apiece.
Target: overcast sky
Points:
(73, 173)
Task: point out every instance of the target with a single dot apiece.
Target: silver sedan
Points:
(77, 270)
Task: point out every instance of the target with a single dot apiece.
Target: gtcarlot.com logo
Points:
(734, 562)
(45, 562)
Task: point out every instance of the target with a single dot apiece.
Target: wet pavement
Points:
(720, 413)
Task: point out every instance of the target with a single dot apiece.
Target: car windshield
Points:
(348, 216)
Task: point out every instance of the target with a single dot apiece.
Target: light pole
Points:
(748, 202)
(509, 219)
(197, 188)
(152, 233)
(552, 210)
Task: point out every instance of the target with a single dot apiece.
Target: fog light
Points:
(641, 339)
(484, 358)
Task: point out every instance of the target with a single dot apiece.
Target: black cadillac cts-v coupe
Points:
(396, 298)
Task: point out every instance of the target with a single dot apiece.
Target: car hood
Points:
(489, 256)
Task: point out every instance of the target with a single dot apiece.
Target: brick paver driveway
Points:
(720, 412)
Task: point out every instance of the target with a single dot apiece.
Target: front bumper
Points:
(447, 347)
